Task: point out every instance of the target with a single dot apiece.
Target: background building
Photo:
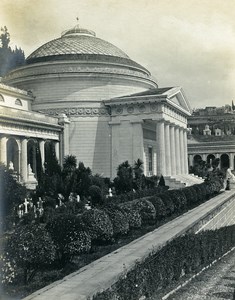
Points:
(212, 135)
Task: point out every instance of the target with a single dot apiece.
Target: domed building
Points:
(110, 107)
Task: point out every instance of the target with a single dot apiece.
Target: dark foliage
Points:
(12, 193)
(9, 58)
(30, 247)
(124, 181)
(98, 225)
(186, 254)
(69, 235)
(96, 195)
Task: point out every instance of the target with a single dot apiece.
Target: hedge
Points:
(136, 194)
(98, 225)
(69, 235)
(186, 254)
(118, 219)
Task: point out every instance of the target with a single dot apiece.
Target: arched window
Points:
(18, 102)
(2, 98)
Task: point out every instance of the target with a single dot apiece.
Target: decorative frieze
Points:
(78, 111)
(44, 70)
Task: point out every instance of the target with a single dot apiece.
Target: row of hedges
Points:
(158, 207)
(185, 255)
(69, 235)
(136, 194)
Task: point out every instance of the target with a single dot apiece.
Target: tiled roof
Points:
(77, 44)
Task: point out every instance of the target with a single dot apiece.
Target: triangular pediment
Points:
(177, 97)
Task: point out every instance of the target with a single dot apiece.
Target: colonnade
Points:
(172, 156)
(21, 160)
(206, 156)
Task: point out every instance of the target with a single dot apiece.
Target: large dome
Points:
(82, 44)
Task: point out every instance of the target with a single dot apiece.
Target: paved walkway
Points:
(102, 273)
(216, 283)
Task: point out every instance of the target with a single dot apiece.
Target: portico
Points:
(24, 136)
(151, 126)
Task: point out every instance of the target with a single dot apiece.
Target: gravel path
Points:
(218, 282)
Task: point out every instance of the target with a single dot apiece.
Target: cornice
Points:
(63, 69)
(18, 93)
(17, 129)
(32, 119)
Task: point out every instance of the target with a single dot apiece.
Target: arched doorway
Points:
(210, 158)
(224, 161)
(13, 155)
(197, 159)
(51, 162)
(34, 157)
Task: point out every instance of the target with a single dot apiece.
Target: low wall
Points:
(104, 272)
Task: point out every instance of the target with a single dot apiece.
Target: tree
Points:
(124, 181)
(10, 59)
(31, 248)
(69, 236)
(139, 177)
(5, 38)
(12, 193)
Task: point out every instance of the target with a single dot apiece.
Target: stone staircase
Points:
(182, 180)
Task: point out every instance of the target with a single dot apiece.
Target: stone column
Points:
(160, 130)
(204, 157)
(64, 121)
(185, 152)
(138, 140)
(190, 160)
(231, 161)
(57, 150)
(34, 166)
(177, 151)
(182, 151)
(217, 155)
(3, 150)
(42, 152)
(172, 145)
(167, 149)
(24, 160)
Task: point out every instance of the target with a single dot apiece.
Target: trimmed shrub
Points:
(118, 218)
(190, 196)
(132, 215)
(179, 200)
(160, 207)
(69, 236)
(98, 225)
(96, 195)
(168, 202)
(31, 248)
(146, 210)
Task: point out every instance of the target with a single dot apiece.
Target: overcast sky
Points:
(188, 43)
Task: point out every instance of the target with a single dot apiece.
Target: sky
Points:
(187, 43)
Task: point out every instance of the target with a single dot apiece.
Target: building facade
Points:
(113, 109)
(25, 136)
(212, 135)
